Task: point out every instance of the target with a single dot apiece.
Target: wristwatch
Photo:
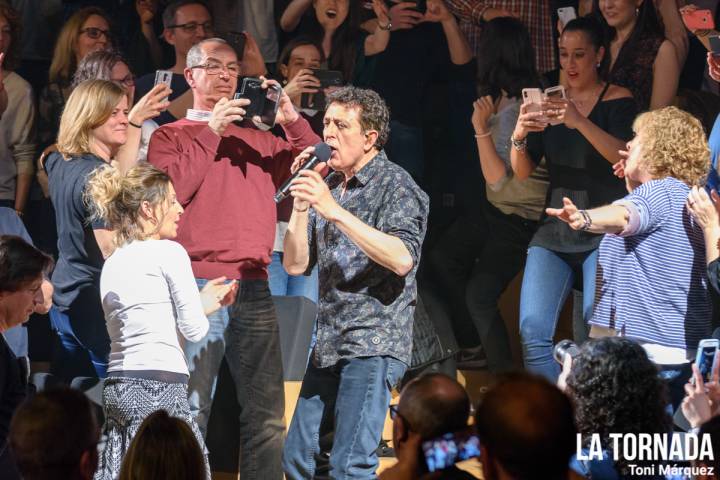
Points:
(385, 27)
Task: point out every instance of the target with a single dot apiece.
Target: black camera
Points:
(564, 348)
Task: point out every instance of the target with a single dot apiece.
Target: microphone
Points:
(322, 154)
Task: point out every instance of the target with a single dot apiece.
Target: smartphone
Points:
(446, 450)
(163, 76)
(237, 41)
(533, 98)
(263, 101)
(707, 357)
(698, 20)
(565, 14)
(715, 45)
(327, 78)
(556, 92)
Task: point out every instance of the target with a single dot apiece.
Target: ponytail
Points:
(117, 199)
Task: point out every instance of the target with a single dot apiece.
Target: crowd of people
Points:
(467, 141)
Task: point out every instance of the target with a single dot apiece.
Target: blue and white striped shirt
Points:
(651, 282)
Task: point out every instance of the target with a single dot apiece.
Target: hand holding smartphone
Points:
(264, 102)
(566, 14)
(707, 357)
(164, 76)
(327, 79)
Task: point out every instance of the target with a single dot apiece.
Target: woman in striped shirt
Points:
(651, 283)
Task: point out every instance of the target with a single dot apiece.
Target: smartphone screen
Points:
(270, 105)
(705, 360)
(445, 451)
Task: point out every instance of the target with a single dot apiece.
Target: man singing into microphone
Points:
(364, 230)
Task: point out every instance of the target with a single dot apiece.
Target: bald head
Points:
(434, 404)
(526, 424)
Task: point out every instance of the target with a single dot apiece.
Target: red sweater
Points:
(226, 185)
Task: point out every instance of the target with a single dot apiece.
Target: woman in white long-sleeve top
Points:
(148, 295)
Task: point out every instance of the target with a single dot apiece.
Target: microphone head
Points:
(323, 151)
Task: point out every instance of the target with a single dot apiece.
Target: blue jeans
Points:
(84, 341)
(350, 398)
(246, 333)
(546, 284)
(281, 283)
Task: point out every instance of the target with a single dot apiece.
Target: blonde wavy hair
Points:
(117, 199)
(90, 105)
(64, 60)
(673, 145)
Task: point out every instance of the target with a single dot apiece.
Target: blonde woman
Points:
(84, 32)
(148, 294)
(651, 282)
(92, 129)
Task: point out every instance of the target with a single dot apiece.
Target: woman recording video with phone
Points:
(595, 121)
(148, 294)
(514, 207)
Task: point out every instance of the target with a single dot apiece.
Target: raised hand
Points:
(704, 207)
(151, 104)
(303, 82)
(225, 112)
(217, 293)
(529, 122)
(483, 108)
(569, 214)
(437, 11)
(696, 405)
(403, 16)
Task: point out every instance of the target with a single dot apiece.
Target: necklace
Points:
(591, 96)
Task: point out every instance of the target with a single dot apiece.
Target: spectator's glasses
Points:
(95, 33)
(395, 413)
(214, 68)
(191, 27)
(6, 31)
(128, 81)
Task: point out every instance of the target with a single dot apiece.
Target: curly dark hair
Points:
(374, 113)
(616, 389)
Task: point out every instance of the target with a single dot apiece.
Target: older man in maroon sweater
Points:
(225, 176)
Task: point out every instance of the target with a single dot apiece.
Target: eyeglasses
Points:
(95, 33)
(128, 81)
(191, 27)
(394, 412)
(6, 31)
(212, 68)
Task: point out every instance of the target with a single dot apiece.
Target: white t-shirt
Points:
(148, 294)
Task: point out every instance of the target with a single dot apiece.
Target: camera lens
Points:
(564, 348)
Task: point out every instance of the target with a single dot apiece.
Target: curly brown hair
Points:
(673, 145)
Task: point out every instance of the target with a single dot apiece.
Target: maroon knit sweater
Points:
(226, 185)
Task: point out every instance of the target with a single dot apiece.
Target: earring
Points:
(637, 11)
